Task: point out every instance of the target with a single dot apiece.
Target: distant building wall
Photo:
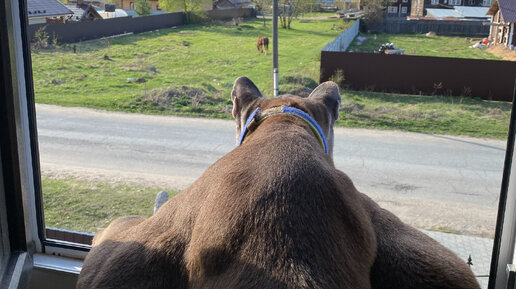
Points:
(417, 8)
(425, 74)
(129, 4)
(230, 13)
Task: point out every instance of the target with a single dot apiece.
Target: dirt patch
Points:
(297, 85)
(502, 52)
(185, 99)
(96, 175)
(352, 107)
(422, 213)
(184, 94)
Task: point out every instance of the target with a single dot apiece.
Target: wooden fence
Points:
(88, 30)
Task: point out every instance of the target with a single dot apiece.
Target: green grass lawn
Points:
(188, 69)
(79, 205)
(426, 114)
(420, 44)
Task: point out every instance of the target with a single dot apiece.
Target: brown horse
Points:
(263, 42)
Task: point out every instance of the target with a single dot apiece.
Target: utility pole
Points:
(275, 46)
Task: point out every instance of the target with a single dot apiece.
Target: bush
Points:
(40, 39)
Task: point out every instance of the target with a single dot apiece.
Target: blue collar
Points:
(256, 118)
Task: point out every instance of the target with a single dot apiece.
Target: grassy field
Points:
(84, 206)
(419, 44)
(189, 70)
(426, 114)
(183, 70)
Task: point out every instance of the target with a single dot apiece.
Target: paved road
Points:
(430, 181)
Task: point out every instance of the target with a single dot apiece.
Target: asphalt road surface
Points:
(431, 181)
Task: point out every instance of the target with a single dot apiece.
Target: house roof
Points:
(459, 12)
(472, 12)
(443, 13)
(46, 8)
(507, 7)
(130, 12)
(80, 11)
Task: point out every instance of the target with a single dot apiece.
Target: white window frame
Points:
(435, 2)
(18, 223)
(24, 251)
(404, 9)
(505, 234)
(392, 9)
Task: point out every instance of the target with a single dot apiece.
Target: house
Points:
(398, 8)
(450, 3)
(82, 12)
(503, 17)
(43, 11)
(125, 13)
(419, 7)
(129, 4)
(346, 4)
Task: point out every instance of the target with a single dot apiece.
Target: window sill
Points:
(54, 272)
(57, 263)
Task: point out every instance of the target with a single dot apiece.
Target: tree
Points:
(287, 12)
(189, 7)
(290, 9)
(263, 6)
(374, 11)
(142, 7)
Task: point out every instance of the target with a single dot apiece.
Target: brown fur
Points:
(272, 213)
(262, 43)
(408, 259)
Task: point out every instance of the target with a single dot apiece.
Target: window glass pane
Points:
(124, 117)
(101, 164)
